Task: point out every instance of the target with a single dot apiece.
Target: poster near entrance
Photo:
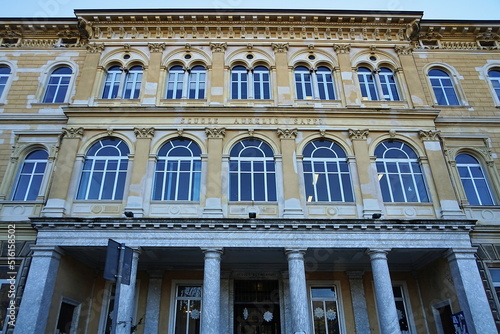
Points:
(256, 307)
(459, 323)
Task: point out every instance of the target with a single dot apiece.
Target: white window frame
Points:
(133, 78)
(106, 301)
(114, 78)
(265, 159)
(390, 86)
(399, 162)
(8, 80)
(20, 173)
(340, 306)
(173, 300)
(122, 78)
(198, 78)
(406, 301)
(305, 80)
(194, 175)
(324, 81)
(495, 91)
(443, 86)
(367, 80)
(59, 85)
(242, 78)
(326, 161)
(473, 179)
(175, 78)
(259, 83)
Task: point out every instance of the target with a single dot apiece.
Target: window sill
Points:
(461, 106)
(183, 102)
(42, 104)
(250, 102)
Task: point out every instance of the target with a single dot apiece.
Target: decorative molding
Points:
(404, 49)
(356, 134)
(342, 48)
(156, 47)
(218, 47)
(429, 135)
(95, 47)
(322, 133)
(72, 132)
(287, 133)
(144, 132)
(392, 133)
(215, 132)
(280, 47)
(251, 132)
(180, 132)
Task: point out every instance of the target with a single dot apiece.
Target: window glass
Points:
(197, 82)
(399, 172)
(178, 171)
(175, 83)
(443, 88)
(4, 78)
(474, 180)
(326, 172)
(239, 83)
(187, 309)
(133, 80)
(303, 83)
(112, 83)
(325, 83)
(104, 171)
(30, 176)
(388, 84)
(325, 310)
(367, 84)
(57, 86)
(494, 78)
(252, 172)
(261, 83)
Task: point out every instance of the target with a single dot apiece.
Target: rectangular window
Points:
(68, 317)
(403, 308)
(187, 312)
(325, 310)
(495, 279)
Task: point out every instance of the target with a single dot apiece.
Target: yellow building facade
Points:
(273, 171)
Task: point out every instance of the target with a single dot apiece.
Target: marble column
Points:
(301, 322)
(361, 320)
(37, 297)
(210, 312)
(126, 301)
(153, 302)
(384, 296)
(470, 291)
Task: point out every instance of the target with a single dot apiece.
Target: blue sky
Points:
(433, 9)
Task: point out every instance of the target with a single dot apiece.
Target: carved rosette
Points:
(215, 132)
(342, 48)
(429, 135)
(144, 132)
(280, 47)
(287, 133)
(404, 50)
(95, 47)
(356, 134)
(72, 133)
(218, 47)
(156, 47)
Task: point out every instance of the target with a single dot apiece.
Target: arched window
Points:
(399, 172)
(4, 78)
(474, 180)
(252, 175)
(112, 83)
(133, 80)
(261, 83)
(118, 87)
(494, 76)
(388, 84)
(30, 176)
(197, 82)
(175, 82)
(443, 88)
(367, 84)
(57, 86)
(303, 83)
(178, 171)
(104, 171)
(239, 83)
(326, 172)
(324, 78)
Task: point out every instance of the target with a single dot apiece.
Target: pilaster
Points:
(351, 90)
(217, 84)
(283, 84)
(361, 319)
(88, 74)
(213, 204)
(152, 318)
(152, 77)
(411, 76)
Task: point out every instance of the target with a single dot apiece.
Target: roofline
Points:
(39, 19)
(451, 21)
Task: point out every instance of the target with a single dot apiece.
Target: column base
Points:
(212, 213)
(293, 213)
(452, 214)
(54, 208)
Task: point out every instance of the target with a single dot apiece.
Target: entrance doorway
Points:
(256, 307)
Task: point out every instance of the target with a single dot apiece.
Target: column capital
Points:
(405, 50)
(356, 134)
(144, 132)
(460, 254)
(156, 47)
(47, 251)
(287, 133)
(215, 132)
(378, 253)
(342, 48)
(95, 47)
(295, 252)
(429, 135)
(72, 132)
(212, 250)
(218, 47)
(280, 47)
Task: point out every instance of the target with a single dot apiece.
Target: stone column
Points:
(361, 320)
(153, 302)
(448, 202)
(367, 176)
(213, 204)
(470, 291)
(384, 296)
(349, 84)
(135, 196)
(217, 83)
(57, 200)
(301, 322)
(409, 76)
(210, 313)
(87, 80)
(292, 206)
(283, 83)
(126, 300)
(152, 77)
(37, 297)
